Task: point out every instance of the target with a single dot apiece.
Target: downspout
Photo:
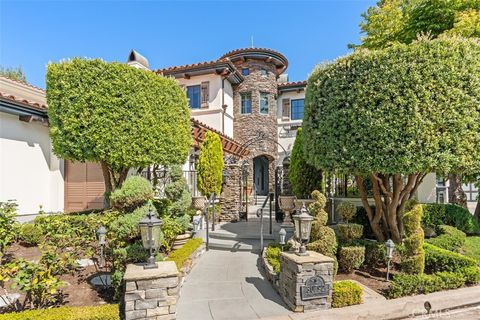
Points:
(224, 107)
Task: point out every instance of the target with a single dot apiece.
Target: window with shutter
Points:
(286, 109)
(205, 93)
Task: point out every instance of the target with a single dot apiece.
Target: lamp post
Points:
(150, 228)
(282, 234)
(390, 245)
(303, 227)
(101, 234)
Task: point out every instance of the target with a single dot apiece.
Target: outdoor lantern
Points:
(101, 234)
(150, 229)
(390, 245)
(282, 233)
(303, 226)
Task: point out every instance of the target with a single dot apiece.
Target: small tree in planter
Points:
(349, 231)
(210, 165)
(117, 115)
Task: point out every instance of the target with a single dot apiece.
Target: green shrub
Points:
(350, 232)
(210, 165)
(347, 210)
(30, 234)
(362, 218)
(319, 198)
(471, 274)
(181, 255)
(375, 253)
(346, 293)
(438, 259)
(125, 228)
(102, 312)
(451, 280)
(171, 228)
(324, 241)
(8, 230)
(450, 238)
(272, 254)
(177, 192)
(351, 258)
(450, 214)
(133, 193)
(413, 260)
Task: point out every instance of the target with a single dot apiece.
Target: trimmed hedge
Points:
(413, 260)
(375, 253)
(133, 193)
(103, 312)
(351, 231)
(346, 293)
(450, 214)
(181, 255)
(438, 259)
(272, 254)
(450, 238)
(412, 284)
(30, 234)
(351, 258)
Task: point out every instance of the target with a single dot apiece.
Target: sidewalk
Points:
(402, 308)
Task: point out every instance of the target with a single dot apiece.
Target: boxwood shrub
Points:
(181, 255)
(346, 293)
(103, 312)
(133, 193)
(450, 214)
(272, 254)
(438, 259)
(351, 258)
(450, 238)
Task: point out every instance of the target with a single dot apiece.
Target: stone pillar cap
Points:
(136, 271)
(313, 257)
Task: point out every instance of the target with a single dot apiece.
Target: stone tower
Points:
(255, 110)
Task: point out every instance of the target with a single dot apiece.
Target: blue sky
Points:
(32, 33)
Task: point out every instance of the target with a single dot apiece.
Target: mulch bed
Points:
(374, 278)
(78, 291)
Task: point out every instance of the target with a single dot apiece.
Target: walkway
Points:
(228, 283)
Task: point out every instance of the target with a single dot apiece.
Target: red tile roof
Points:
(283, 85)
(28, 103)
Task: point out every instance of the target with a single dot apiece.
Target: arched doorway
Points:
(261, 174)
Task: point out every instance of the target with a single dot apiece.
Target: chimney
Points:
(136, 60)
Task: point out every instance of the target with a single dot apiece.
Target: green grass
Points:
(472, 248)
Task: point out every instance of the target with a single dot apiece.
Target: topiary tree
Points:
(117, 115)
(210, 165)
(133, 193)
(413, 261)
(303, 177)
(398, 114)
(176, 191)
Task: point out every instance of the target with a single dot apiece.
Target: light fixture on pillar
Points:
(102, 235)
(282, 235)
(150, 229)
(303, 227)
(390, 245)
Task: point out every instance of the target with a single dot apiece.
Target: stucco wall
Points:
(286, 128)
(29, 172)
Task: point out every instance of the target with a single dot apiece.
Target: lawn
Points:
(472, 248)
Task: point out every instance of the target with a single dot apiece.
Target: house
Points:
(244, 96)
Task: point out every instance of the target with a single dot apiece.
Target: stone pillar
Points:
(230, 200)
(306, 281)
(151, 293)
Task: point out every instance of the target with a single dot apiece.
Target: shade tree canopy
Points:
(395, 115)
(117, 115)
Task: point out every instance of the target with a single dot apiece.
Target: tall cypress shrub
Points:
(210, 165)
(304, 178)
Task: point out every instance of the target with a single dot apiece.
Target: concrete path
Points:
(228, 285)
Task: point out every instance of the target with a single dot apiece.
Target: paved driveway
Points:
(228, 285)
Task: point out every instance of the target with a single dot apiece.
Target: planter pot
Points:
(287, 205)
(180, 240)
(198, 203)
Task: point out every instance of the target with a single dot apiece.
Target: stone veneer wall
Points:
(151, 293)
(230, 200)
(295, 270)
(246, 126)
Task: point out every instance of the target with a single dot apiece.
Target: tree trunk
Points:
(477, 211)
(456, 195)
(113, 180)
(390, 192)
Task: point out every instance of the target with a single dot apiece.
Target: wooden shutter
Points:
(84, 186)
(205, 90)
(286, 109)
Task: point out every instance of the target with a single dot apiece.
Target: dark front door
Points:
(260, 174)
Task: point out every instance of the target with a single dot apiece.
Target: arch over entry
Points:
(261, 174)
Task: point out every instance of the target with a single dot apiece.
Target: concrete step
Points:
(236, 245)
(222, 234)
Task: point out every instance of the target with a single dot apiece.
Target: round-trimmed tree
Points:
(117, 115)
(210, 165)
(303, 177)
(395, 115)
